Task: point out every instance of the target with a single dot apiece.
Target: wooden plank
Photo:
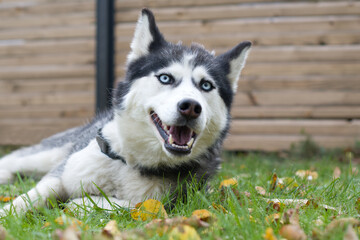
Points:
(299, 82)
(230, 11)
(31, 21)
(60, 98)
(24, 132)
(33, 135)
(302, 98)
(278, 143)
(49, 59)
(303, 53)
(288, 53)
(56, 32)
(53, 8)
(316, 112)
(294, 127)
(293, 69)
(252, 25)
(46, 85)
(261, 39)
(302, 68)
(121, 4)
(48, 111)
(20, 47)
(46, 72)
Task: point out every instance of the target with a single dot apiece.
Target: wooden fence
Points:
(302, 75)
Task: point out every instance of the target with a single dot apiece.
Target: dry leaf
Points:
(70, 233)
(273, 182)
(273, 218)
(3, 233)
(183, 232)
(278, 206)
(350, 234)
(219, 207)
(291, 216)
(260, 190)
(357, 205)
(231, 182)
(307, 174)
(150, 209)
(203, 215)
(67, 221)
(269, 234)
(6, 199)
(337, 173)
(111, 229)
(341, 222)
(292, 232)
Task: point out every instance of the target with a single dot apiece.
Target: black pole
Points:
(105, 73)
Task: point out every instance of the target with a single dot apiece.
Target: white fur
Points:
(46, 188)
(142, 39)
(41, 163)
(148, 94)
(236, 66)
(82, 173)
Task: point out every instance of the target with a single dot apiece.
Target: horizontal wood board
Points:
(302, 75)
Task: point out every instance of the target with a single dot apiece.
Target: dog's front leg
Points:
(47, 188)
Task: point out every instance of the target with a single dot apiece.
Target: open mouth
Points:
(177, 139)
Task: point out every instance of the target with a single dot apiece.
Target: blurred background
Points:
(301, 78)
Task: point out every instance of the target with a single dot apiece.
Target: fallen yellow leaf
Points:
(219, 207)
(149, 209)
(203, 215)
(6, 199)
(66, 221)
(269, 234)
(228, 182)
(183, 232)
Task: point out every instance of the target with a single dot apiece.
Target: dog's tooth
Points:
(171, 140)
(190, 143)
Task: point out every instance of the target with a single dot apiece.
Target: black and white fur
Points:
(173, 89)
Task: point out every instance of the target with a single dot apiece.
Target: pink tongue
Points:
(181, 135)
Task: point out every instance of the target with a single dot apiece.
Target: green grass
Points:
(254, 169)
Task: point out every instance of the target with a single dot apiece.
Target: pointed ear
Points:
(234, 61)
(147, 36)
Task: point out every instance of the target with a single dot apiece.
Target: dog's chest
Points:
(89, 170)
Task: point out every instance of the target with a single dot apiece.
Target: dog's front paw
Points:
(5, 176)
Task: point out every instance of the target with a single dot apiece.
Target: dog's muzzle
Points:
(179, 140)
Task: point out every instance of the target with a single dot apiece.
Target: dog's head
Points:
(175, 100)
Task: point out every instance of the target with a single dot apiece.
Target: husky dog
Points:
(169, 119)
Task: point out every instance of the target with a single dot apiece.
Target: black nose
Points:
(189, 108)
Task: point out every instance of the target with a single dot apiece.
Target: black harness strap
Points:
(105, 147)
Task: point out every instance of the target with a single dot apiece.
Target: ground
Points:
(322, 204)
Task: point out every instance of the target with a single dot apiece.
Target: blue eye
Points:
(165, 79)
(206, 85)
